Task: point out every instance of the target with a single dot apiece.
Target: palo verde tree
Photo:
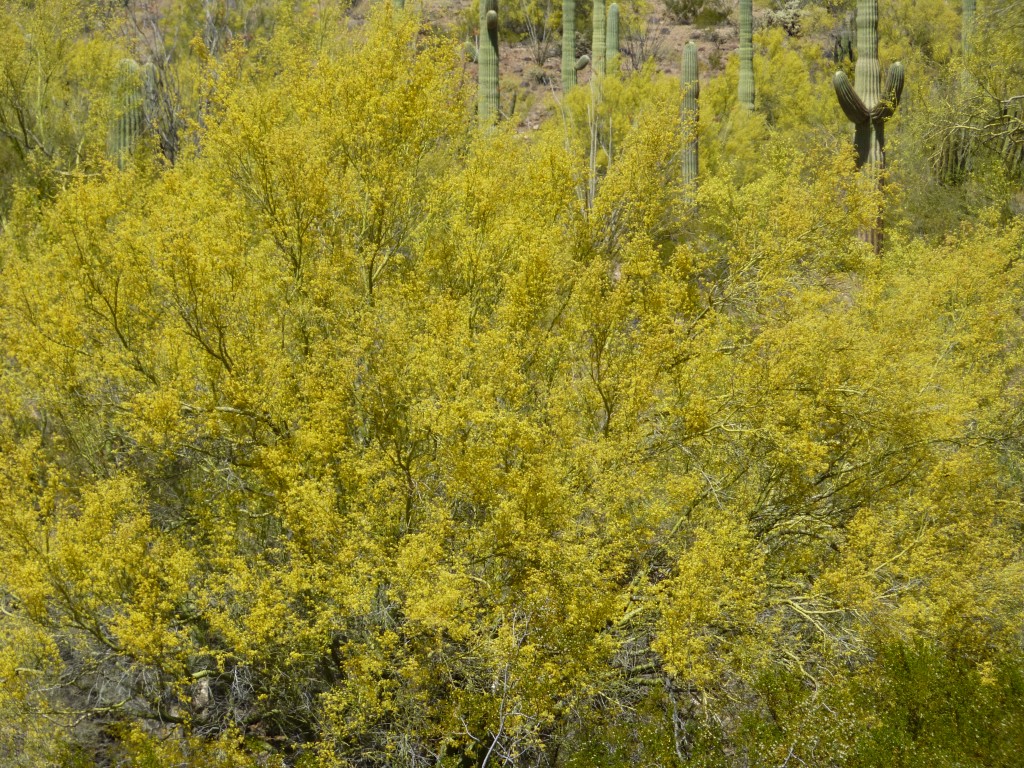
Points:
(364, 437)
(55, 94)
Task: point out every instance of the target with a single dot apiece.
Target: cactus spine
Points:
(746, 89)
(487, 69)
(129, 117)
(691, 91)
(867, 105)
(612, 42)
(598, 41)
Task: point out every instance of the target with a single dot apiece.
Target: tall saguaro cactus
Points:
(487, 57)
(691, 91)
(599, 37)
(570, 64)
(129, 113)
(867, 105)
(952, 160)
(746, 89)
(568, 45)
(967, 26)
(612, 42)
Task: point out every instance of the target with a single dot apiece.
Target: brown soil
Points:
(538, 88)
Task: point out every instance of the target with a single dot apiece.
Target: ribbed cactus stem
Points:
(487, 69)
(568, 45)
(129, 118)
(953, 161)
(599, 36)
(843, 48)
(612, 41)
(967, 26)
(868, 72)
(691, 91)
(867, 104)
(746, 89)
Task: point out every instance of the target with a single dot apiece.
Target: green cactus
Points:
(868, 105)
(967, 26)
(129, 114)
(842, 47)
(952, 161)
(570, 64)
(487, 58)
(612, 41)
(746, 89)
(691, 92)
(568, 45)
(599, 37)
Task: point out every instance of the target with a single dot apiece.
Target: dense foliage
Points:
(338, 429)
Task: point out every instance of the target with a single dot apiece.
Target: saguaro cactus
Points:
(612, 42)
(487, 67)
(129, 113)
(570, 64)
(598, 39)
(967, 26)
(691, 91)
(568, 45)
(842, 47)
(746, 89)
(952, 161)
(867, 105)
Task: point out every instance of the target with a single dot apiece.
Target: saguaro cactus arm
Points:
(891, 93)
(849, 101)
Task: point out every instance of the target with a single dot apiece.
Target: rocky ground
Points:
(537, 87)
